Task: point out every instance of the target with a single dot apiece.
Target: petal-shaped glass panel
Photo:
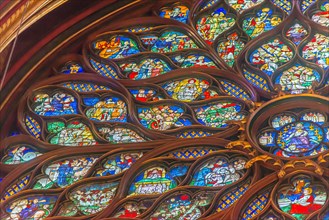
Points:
(20, 154)
(65, 172)
(317, 50)
(118, 163)
(94, 197)
(111, 109)
(264, 21)
(171, 41)
(147, 68)
(211, 25)
(74, 133)
(154, 180)
(186, 90)
(177, 12)
(217, 114)
(302, 197)
(322, 16)
(219, 172)
(117, 46)
(161, 117)
(269, 56)
(32, 207)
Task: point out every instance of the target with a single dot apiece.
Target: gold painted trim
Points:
(36, 9)
(7, 8)
(3, 104)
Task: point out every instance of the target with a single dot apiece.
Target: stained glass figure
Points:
(300, 137)
(193, 60)
(111, 109)
(178, 12)
(297, 79)
(217, 114)
(322, 17)
(74, 133)
(302, 198)
(145, 69)
(162, 117)
(93, 198)
(72, 68)
(119, 163)
(60, 103)
(241, 6)
(186, 90)
(146, 94)
(264, 21)
(268, 57)
(20, 154)
(210, 26)
(218, 172)
(33, 207)
(208, 94)
(118, 46)
(119, 135)
(152, 181)
(230, 49)
(317, 50)
(129, 210)
(296, 33)
(182, 205)
(65, 172)
(171, 41)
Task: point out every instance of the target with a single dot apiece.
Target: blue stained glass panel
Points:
(178, 12)
(104, 69)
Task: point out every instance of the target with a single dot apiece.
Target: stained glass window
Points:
(202, 109)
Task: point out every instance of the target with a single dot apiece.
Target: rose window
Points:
(191, 110)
